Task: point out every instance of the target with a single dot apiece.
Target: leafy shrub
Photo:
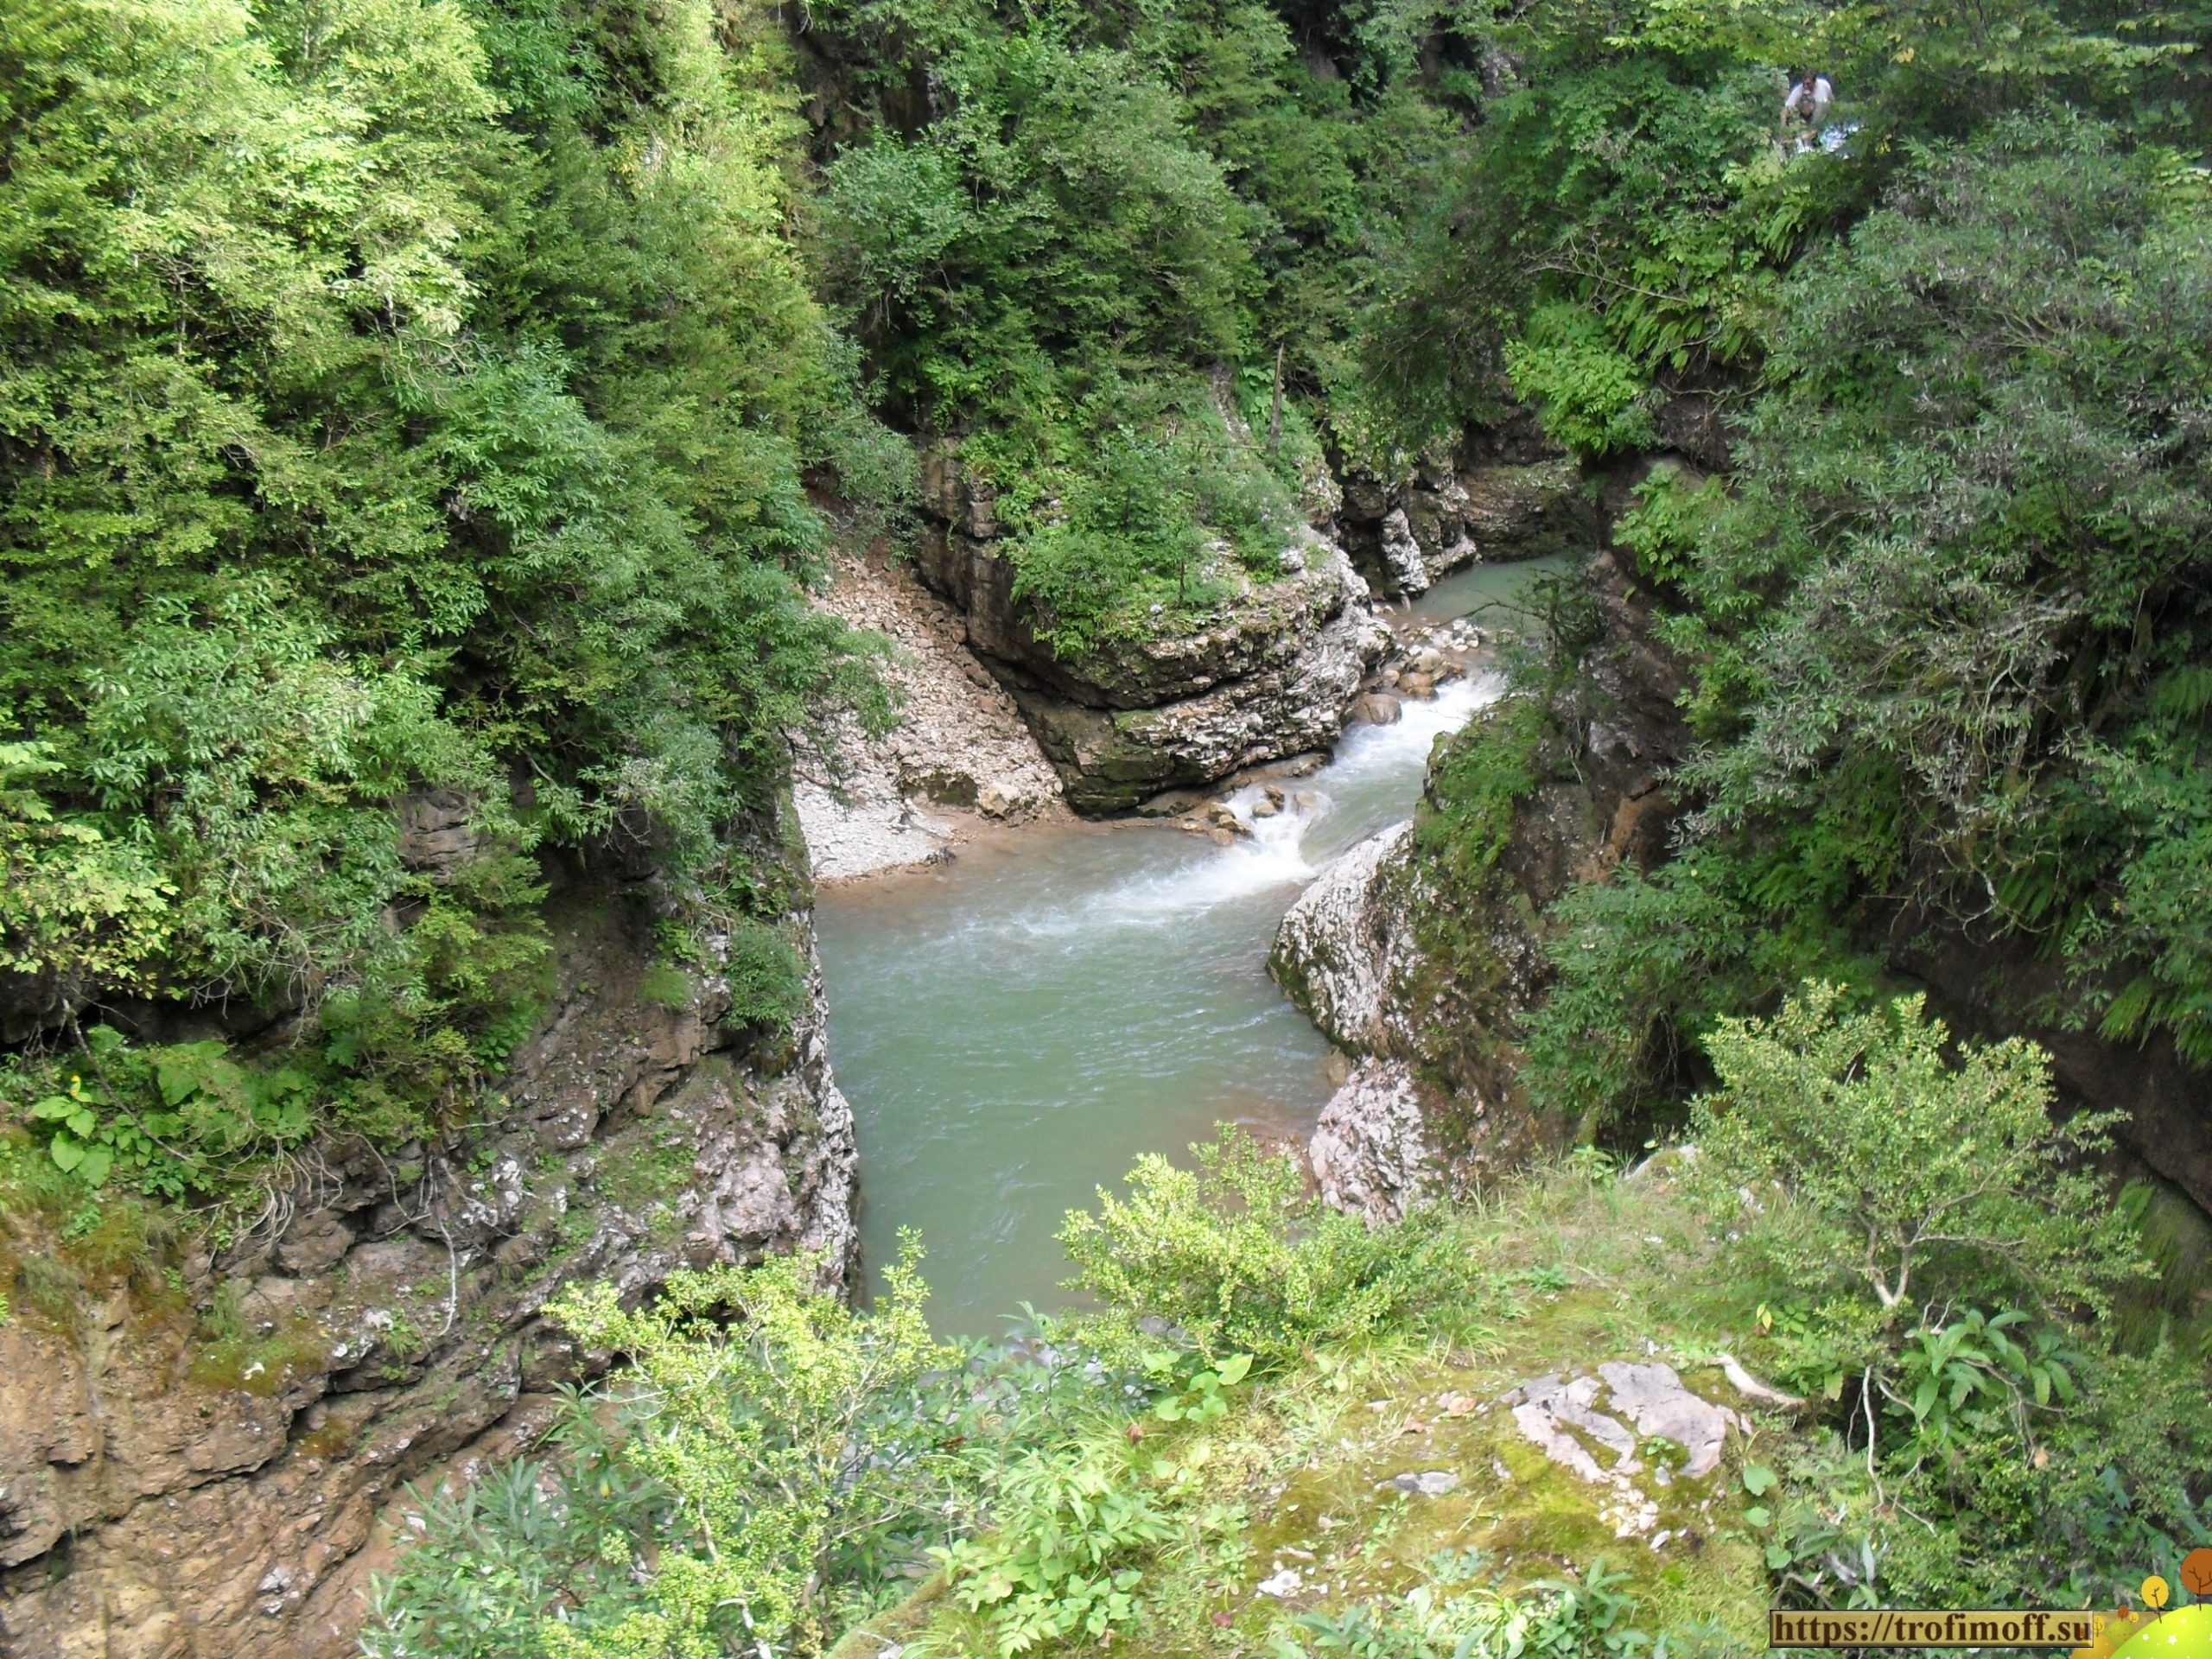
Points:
(1953, 598)
(1475, 779)
(178, 1122)
(76, 908)
(1144, 523)
(1239, 1258)
(1899, 1175)
(766, 976)
(1072, 1526)
(1594, 398)
(753, 1463)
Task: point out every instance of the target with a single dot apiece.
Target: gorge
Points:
(1227, 827)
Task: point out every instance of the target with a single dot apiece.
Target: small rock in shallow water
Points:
(1377, 709)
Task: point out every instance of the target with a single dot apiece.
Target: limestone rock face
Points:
(867, 804)
(1415, 1117)
(1370, 1153)
(165, 1498)
(1270, 674)
(1291, 697)
(1502, 499)
(1402, 554)
(1343, 946)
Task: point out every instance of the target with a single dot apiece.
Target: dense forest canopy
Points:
(401, 402)
(437, 401)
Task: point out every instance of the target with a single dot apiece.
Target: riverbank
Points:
(1016, 1024)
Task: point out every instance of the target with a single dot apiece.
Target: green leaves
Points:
(1205, 1396)
(1887, 1167)
(1244, 1263)
(1946, 1370)
(1593, 398)
(72, 1148)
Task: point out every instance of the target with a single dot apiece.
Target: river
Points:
(1015, 1028)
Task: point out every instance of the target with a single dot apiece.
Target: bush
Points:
(754, 1463)
(1898, 1174)
(766, 976)
(1239, 1258)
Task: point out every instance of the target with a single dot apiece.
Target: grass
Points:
(1580, 1268)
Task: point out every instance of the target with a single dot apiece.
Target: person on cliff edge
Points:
(1805, 109)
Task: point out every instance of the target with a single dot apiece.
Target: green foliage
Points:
(1072, 1524)
(1671, 516)
(1962, 566)
(753, 1462)
(1448, 1616)
(665, 985)
(2035, 1465)
(765, 976)
(76, 909)
(1646, 965)
(1893, 1172)
(1240, 1259)
(1100, 210)
(1944, 620)
(1951, 1376)
(1475, 780)
(170, 1122)
(1143, 507)
(410, 398)
(1593, 398)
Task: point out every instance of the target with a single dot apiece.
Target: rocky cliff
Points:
(1270, 675)
(202, 1463)
(1419, 966)
(1507, 493)
(867, 804)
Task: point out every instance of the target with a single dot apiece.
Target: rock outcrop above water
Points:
(872, 803)
(1507, 493)
(1421, 971)
(1300, 662)
(1407, 1123)
(1270, 674)
(1346, 950)
(163, 1496)
(1370, 1151)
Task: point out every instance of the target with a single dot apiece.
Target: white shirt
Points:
(1815, 103)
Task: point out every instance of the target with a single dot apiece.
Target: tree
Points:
(771, 1441)
(1899, 1171)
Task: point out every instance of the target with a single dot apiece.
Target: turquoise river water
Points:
(1015, 1028)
